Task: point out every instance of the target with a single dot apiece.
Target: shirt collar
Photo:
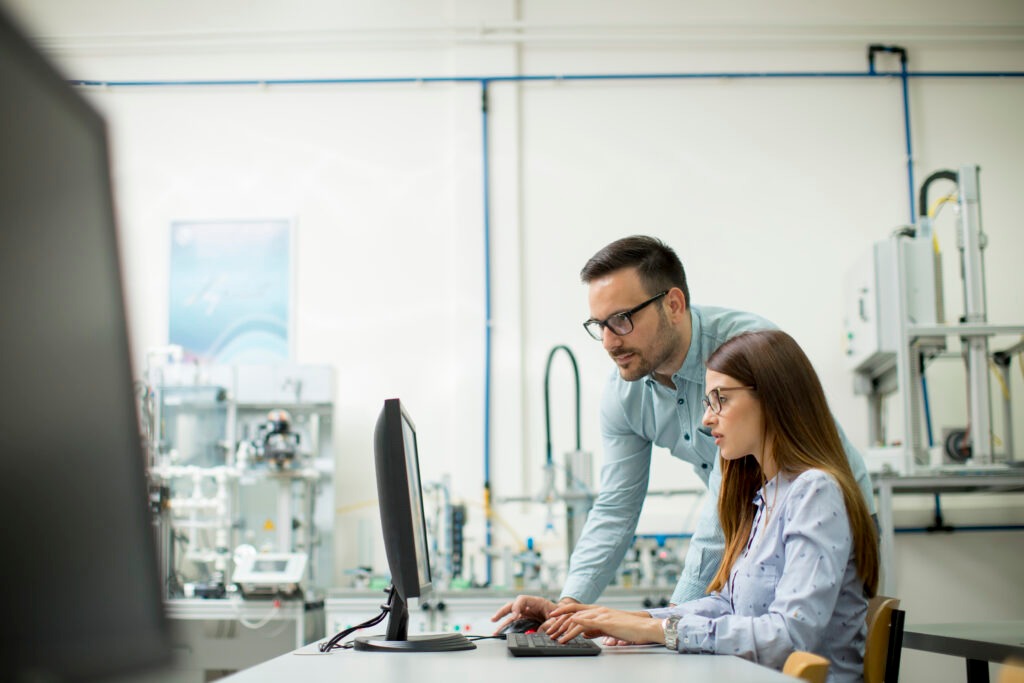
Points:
(773, 490)
(693, 367)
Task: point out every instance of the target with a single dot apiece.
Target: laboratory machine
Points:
(240, 469)
(896, 327)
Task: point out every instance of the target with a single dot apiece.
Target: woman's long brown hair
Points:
(800, 433)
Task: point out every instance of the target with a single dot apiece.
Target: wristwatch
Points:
(671, 625)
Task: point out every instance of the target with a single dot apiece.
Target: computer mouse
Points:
(522, 625)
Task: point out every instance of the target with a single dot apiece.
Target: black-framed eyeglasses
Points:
(620, 323)
(716, 401)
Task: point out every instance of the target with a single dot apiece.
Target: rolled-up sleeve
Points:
(707, 546)
(612, 521)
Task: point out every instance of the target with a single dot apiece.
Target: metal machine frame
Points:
(910, 330)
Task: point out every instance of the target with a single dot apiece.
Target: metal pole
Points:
(972, 242)
(1004, 371)
(906, 359)
(887, 544)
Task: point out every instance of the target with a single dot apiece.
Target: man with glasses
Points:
(641, 313)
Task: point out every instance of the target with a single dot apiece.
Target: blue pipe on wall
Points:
(485, 81)
(906, 129)
(260, 82)
(484, 104)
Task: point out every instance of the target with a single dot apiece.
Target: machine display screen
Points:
(270, 565)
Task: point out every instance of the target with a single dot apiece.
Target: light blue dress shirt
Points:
(794, 588)
(636, 415)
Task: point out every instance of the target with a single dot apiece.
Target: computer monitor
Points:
(400, 497)
(79, 573)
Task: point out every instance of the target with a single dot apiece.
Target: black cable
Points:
(333, 643)
(922, 202)
(892, 49)
(547, 398)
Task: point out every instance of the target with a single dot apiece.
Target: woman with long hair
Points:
(801, 553)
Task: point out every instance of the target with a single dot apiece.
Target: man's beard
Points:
(644, 364)
(641, 370)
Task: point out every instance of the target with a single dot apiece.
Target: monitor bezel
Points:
(398, 520)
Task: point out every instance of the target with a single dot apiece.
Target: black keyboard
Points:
(541, 645)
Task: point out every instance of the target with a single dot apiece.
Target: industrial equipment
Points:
(269, 575)
(895, 327)
(526, 568)
(239, 457)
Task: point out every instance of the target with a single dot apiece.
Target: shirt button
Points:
(686, 436)
(682, 401)
(703, 465)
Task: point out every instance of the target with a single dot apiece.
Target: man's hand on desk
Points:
(524, 607)
(555, 618)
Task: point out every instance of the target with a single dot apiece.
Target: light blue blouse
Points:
(794, 588)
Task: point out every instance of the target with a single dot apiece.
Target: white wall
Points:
(769, 189)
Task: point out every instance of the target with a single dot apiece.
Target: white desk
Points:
(978, 643)
(491, 663)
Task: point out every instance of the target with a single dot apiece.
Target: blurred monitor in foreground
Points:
(79, 575)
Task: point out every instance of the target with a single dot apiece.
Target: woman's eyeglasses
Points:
(715, 400)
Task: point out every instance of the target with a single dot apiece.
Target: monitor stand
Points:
(398, 639)
(435, 642)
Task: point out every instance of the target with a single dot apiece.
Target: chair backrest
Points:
(884, 640)
(806, 665)
(1012, 671)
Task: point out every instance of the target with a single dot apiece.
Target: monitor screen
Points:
(419, 527)
(400, 498)
(80, 578)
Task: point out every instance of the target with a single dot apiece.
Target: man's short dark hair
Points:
(656, 263)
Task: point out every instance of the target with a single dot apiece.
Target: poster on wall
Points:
(230, 290)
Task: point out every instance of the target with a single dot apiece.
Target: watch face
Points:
(671, 632)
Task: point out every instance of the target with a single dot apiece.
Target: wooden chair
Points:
(884, 641)
(806, 665)
(1012, 671)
